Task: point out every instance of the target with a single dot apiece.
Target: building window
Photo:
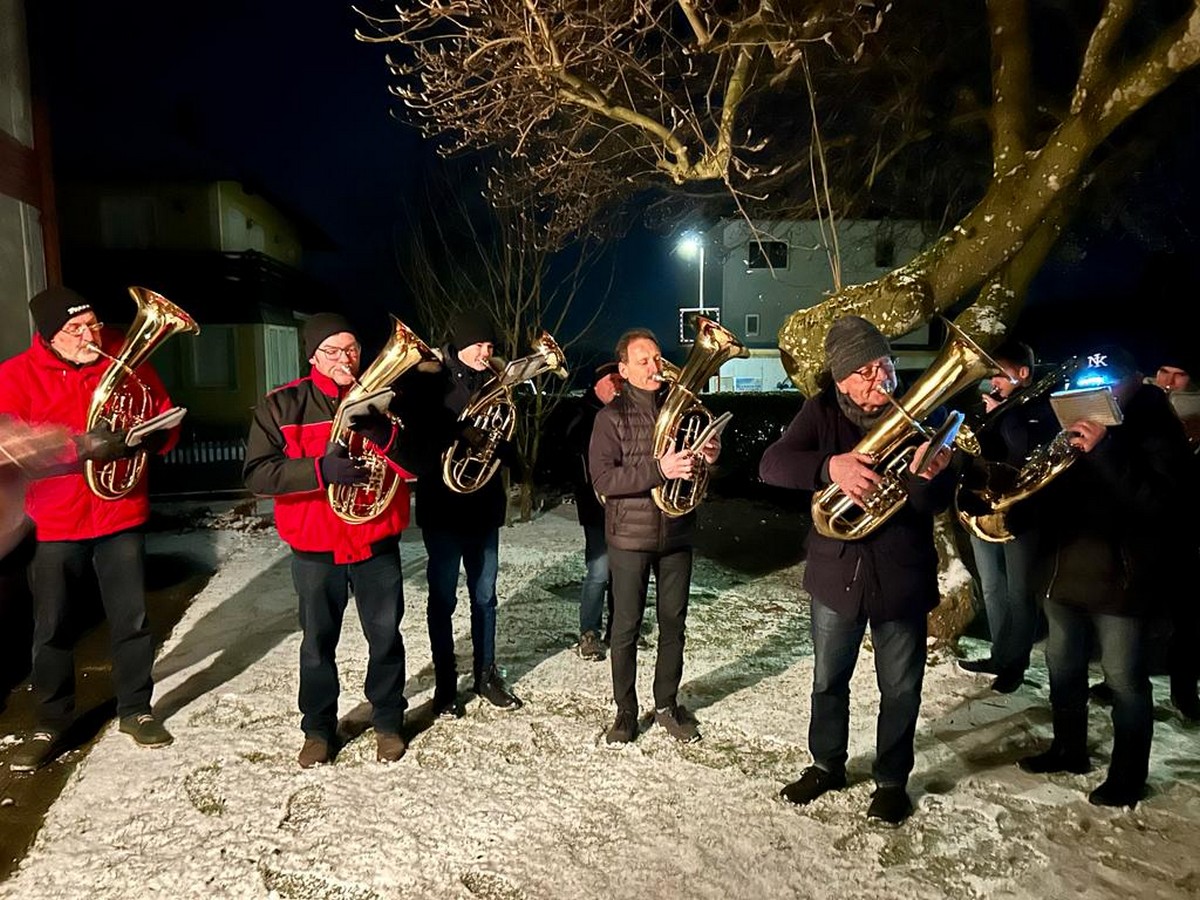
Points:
(767, 255)
(128, 223)
(687, 325)
(214, 358)
(885, 251)
(282, 346)
(751, 324)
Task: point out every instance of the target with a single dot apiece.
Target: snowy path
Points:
(531, 804)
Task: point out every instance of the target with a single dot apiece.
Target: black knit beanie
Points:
(54, 307)
(321, 326)
(851, 343)
(469, 327)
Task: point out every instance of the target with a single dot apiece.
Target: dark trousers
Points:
(899, 672)
(1183, 651)
(16, 614)
(478, 554)
(57, 569)
(630, 577)
(1122, 657)
(1005, 574)
(324, 589)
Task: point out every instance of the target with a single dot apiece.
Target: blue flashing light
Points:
(1089, 378)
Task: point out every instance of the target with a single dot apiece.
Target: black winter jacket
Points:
(892, 572)
(624, 471)
(578, 438)
(1116, 523)
(445, 395)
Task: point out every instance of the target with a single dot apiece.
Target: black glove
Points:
(476, 437)
(338, 468)
(374, 426)
(103, 445)
(155, 441)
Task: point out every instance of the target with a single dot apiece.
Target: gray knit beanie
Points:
(853, 342)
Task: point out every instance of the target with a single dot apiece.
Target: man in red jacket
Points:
(291, 457)
(52, 383)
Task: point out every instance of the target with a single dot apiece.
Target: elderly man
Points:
(290, 456)
(887, 580)
(641, 539)
(52, 383)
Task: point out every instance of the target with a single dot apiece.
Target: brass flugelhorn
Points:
(122, 399)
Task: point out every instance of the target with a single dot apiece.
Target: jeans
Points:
(54, 575)
(595, 583)
(479, 555)
(899, 672)
(1005, 572)
(630, 578)
(323, 589)
(1068, 651)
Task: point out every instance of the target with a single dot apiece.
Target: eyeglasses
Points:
(78, 329)
(332, 353)
(871, 372)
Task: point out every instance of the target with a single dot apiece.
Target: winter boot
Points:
(1068, 750)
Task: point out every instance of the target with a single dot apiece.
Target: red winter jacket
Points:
(283, 453)
(37, 386)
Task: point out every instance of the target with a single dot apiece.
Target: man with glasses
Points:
(290, 456)
(49, 384)
(887, 580)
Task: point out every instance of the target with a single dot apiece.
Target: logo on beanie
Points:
(1097, 360)
(76, 310)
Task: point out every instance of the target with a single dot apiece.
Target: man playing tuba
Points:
(52, 383)
(642, 538)
(887, 580)
(289, 456)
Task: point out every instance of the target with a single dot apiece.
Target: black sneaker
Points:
(590, 646)
(1101, 693)
(890, 804)
(146, 730)
(1056, 760)
(447, 707)
(1187, 704)
(678, 723)
(813, 782)
(1007, 682)
(492, 688)
(983, 666)
(624, 729)
(35, 752)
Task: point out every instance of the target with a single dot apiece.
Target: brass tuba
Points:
(683, 418)
(121, 399)
(890, 442)
(465, 469)
(358, 503)
(1045, 463)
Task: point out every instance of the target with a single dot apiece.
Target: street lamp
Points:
(693, 245)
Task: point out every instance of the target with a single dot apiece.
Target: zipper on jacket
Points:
(1053, 574)
(857, 566)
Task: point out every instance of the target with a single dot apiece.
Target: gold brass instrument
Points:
(121, 399)
(683, 418)
(892, 440)
(358, 503)
(467, 468)
(1005, 486)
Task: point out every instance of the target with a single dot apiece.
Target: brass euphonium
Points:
(1045, 463)
(358, 503)
(893, 439)
(467, 468)
(121, 399)
(682, 419)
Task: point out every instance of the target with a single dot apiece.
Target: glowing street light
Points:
(691, 245)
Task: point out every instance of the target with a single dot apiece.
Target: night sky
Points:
(279, 95)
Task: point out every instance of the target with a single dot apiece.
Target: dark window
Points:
(751, 324)
(767, 255)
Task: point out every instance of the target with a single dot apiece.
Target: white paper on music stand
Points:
(168, 419)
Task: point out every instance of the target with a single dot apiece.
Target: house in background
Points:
(779, 266)
(227, 256)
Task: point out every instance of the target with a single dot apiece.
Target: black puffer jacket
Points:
(892, 572)
(624, 471)
(578, 438)
(1117, 521)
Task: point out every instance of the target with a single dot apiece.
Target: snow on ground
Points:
(532, 804)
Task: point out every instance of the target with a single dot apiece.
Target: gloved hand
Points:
(338, 468)
(103, 445)
(476, 437)
(374, 426)
(155, 441)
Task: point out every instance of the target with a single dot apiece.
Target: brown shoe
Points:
(679, 723)
(389, 746)
(315, 752)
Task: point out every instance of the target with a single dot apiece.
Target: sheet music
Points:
(168, 419)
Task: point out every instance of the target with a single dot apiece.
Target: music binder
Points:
(168, 419)
(1095, 404)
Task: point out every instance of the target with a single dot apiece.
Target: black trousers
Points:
(630, 577)
(57, 569)
(16, 614)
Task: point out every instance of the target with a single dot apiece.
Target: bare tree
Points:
(465, 255)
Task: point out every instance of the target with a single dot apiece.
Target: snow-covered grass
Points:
(532, 804)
